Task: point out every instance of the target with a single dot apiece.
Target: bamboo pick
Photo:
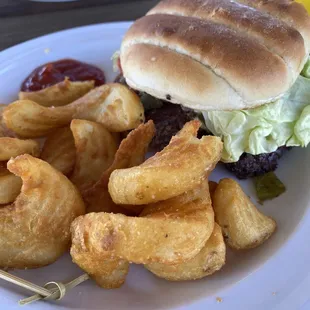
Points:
(47, 292)
(57, 292)
(23, 283)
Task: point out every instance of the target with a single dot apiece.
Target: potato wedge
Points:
(35, 229)
(4, 131)
(12, 147)
(59, 94)
(107, 273)
(10, 186)
(59, 150)
(212, 188)
(209, 260)
(175, 232)
(244, 226)
(95, 151)
(28, 119)
(113, 105)
(131, 152)
(180, 167)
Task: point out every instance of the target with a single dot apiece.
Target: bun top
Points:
(217, 54)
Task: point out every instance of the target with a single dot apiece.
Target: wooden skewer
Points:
(56, 292)
(25, 284)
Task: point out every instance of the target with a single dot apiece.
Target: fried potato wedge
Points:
(4, 131)
(12, 147)
(131, 152)
(59, 150)
(107, 273)
(209, 260)
(243, 225)
(28, 119)
(113, 105)
(59, 94)
(10, 186)
(35, 229)
(169, 232)
(179, 167)
(212, 188)
(95, 151)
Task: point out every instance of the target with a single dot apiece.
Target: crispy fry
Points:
(10, 185)
(4, 131)
(35, 229)
(113, 105)
(12, 147)
(29, 119)
(59, 94)
(107, 273)
(131, 152)
(244, 226)
(59, 150)
(178, 168)
(169, 232)
(95, 150)
(212, 188)
(209, 260)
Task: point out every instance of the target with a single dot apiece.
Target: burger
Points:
(242, 67)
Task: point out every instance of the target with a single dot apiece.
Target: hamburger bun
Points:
(217, 54)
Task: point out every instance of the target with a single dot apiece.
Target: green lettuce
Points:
(264, 129)
(306, 70)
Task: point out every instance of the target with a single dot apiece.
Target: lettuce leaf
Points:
(306, 70)
(264, 129)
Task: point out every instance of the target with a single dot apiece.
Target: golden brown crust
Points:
(131, 152)
(12, 147)
(10, 186)
(169, 232)
(59, 94)
(59, 150)
(210, 259)
(35, 229)
(108, 273)
(113, 105)
(95, 151)
(243, 225)
(257, 54)
(179, 167)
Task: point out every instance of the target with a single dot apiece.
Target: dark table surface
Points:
(21, 20)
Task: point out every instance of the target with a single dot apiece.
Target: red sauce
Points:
(55, 72)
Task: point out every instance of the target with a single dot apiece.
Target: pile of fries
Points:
(90, 187)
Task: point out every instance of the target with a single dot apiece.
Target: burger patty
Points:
(249, 165)
(170, 118)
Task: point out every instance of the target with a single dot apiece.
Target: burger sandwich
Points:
(241, 66)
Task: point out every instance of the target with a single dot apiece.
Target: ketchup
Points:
(54, 72)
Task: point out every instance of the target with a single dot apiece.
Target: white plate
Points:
(274, 276)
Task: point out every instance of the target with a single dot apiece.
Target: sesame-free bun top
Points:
(217, 54)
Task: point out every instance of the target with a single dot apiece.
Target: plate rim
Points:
(300, 229)
(31, 43)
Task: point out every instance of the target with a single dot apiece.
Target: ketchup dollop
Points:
(54, 72)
